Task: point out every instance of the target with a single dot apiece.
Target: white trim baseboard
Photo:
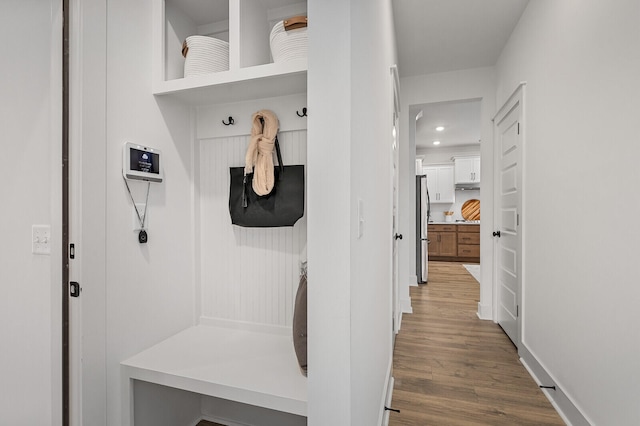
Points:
(563, 404)
(405, 305)
(413, 281)
(485, 312)
(383, 419)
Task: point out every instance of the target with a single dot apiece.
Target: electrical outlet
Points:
(41, 239)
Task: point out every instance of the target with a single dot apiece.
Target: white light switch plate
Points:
(41, 239)
(360, 218)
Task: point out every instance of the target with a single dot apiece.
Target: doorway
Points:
(447, 140)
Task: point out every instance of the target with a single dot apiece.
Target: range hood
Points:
(467, 186)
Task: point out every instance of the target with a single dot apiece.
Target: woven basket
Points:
(204, 55)
(289, 42)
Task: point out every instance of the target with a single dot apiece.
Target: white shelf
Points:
(249, 367)
(246, 25)
(257, 82)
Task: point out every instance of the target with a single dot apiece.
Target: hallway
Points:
(452, 368)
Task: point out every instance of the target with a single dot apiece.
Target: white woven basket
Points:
(204, 55)
(288, 45)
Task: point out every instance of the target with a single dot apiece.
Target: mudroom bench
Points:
(215, 373)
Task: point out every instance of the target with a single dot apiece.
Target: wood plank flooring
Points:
(452, 368)
(207, 423)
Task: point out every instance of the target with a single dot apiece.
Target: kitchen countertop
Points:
(455, 223)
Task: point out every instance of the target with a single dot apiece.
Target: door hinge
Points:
(518, 128)
(72, 251)
(517, 311)
(517, 219)
(74, 289)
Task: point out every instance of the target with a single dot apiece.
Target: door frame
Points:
(68, 355)
(87, 210)
(516, 97)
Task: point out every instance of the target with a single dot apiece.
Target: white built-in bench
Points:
(232, 376)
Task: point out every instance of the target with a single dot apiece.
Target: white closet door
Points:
(509, 236)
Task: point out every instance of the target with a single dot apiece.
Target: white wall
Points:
(581, 61)
(349, 148)
(247, 274)
(137, 294)
(31, 193)
(455, 85)
(371, 180)
(329, 233)
(438, 209)
(150, 288)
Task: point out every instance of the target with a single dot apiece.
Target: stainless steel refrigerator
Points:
(423, 213)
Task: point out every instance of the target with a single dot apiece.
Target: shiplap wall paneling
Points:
(247, 274)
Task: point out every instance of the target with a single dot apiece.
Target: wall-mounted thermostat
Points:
(142, 163)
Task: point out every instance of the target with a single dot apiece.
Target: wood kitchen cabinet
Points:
(443, 241)
(469, 242)
(454, 242)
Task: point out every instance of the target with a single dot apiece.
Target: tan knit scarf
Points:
(259, 157)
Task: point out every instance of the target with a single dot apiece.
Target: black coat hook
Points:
(304, 112)
(230, 121)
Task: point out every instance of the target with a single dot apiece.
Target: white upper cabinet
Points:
(246, 25)
(440, 183)
(467, 169)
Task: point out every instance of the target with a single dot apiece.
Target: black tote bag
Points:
(283, 206)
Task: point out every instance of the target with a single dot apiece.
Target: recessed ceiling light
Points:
(439, 129)
(436, 142)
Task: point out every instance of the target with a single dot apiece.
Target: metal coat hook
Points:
(230, 121)
(304, 112)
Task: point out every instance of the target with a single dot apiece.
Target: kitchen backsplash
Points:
(437, 210)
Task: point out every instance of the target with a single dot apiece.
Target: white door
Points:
(396, 310)
(395, 233)
(75, 278)
(508, 150)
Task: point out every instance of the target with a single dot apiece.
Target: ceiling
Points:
(460, 119)
(446, 35)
